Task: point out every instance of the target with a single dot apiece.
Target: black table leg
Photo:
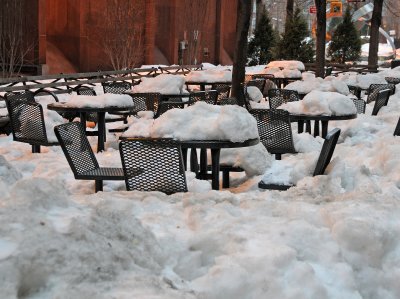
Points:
(324, 128)
(194, 164)
(101, 124)
(308, 126)
(184, 156)
(203, 164)
(316, 128)
(82, 117)
(300, 126)
(215, 168)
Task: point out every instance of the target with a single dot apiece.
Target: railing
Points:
(341, 68)
(61, 83)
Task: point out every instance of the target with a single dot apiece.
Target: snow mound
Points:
(215, 74)
(164, 84)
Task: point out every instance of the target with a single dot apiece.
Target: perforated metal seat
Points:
(360, 105)
(223, 90)
(209, 96)
(277, 97)
(374, 88)
(81, 158)
(324, 158)
(27, 120)
(117, 88)
(228, 101)
(153, 165)
(381, 100)
(275, 131)
(145, 101)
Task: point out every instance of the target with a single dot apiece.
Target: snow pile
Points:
(322, 103)
(254, 94)
(383, 50)
(282, 73)
(310, 83)
(164, 84)
(100, 101)
(200, 121)
(216, 74)
(287, 64)
(363, 81)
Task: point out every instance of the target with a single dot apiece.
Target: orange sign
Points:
(336, 9)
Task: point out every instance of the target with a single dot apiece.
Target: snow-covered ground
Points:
(332, 236)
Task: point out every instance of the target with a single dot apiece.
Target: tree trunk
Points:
(321, 33)
(260, 7)
(376, 21)
(289, 10)
(240, 55)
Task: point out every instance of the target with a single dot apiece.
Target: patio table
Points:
(83, 111)
(301, 118)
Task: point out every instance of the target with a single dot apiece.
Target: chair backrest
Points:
(84, 91)
(355, 90)
(275, 130)
(223, 90)
(360, 105)
(277, 97)
(327, 151)
(259, 83)
(148, 101)
(228, 101)
(375, 88)
(153, 165)
(23, 95)
(76, 147)
(392, 80)
(397, 130)
(381, 100)
(27, 120)
(328, 71)
(116, 87)
(164, 106)
(209, 96)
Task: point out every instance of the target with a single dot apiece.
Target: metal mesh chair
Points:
(145, 101)
(397, 130)
(5, 126)
(279, 96)
(228, 101)
(360, 105)
(355, 90)
(374, 88)
(381, 100)
(324, 158)
(27, 120)
(116, 87)
(223, 90)
(209, 96)
(164, 106)
(153, 165)
(392, 80)
(259, 83)
(81, 158)
(274, 130)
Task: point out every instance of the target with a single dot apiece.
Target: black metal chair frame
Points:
(392, 80)
(381, 100)
(397, 130)
(31, 128)
(355, 90)
(374, 88)
(153, 165)
(324, 158)
(145, 101)
(81, 158)
(223, 90)
(360, 105)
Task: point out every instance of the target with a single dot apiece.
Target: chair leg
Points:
(278, 156)
(225, 179)
(35, 148)
(98, 185)
(184, 156)
(194, 164)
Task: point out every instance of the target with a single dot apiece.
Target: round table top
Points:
(295, 117)
(211, 144)
(63, 107)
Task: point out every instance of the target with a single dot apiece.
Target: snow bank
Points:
(164, 84)
(287, 64)
(363, 81)
(310, 83)
(254, 94)
(100, 101)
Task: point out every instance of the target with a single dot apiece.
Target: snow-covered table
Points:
(83, 111)
(204, 84)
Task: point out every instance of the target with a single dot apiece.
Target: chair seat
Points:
(103, 173)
